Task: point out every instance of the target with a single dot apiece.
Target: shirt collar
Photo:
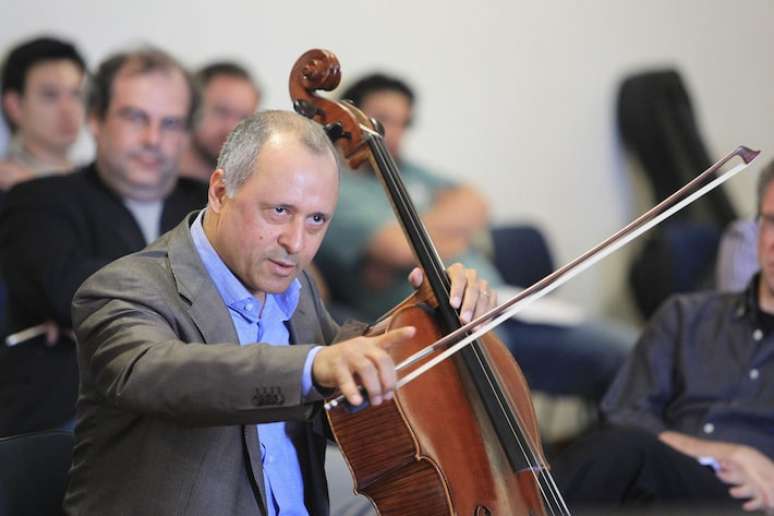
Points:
(233, 292)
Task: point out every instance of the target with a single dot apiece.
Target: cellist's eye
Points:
(318, 219)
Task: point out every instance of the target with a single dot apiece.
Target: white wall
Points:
(516, 97)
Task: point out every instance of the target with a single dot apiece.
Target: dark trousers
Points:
(618, 466)
(578, 360)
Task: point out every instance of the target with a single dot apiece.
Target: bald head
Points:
(240, 152)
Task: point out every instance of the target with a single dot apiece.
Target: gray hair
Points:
(240, 152)
(765, 178)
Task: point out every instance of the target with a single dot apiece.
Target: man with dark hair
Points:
(228, 95)
(56, 231)
(366, 254)
(390, 100)
(691, 414)
(204, 357)
(42, 83)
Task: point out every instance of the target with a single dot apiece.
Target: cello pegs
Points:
(336, 131)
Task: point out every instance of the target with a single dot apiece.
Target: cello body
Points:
(431, 451)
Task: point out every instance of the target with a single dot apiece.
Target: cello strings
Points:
(535, 464)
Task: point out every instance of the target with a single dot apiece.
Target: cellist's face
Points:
(393, 110)
(272, 226)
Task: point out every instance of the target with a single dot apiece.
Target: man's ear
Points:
(12, 106)
(216, 194)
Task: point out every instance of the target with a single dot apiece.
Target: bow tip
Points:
(747, 154)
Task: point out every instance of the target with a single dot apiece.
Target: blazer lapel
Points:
(251, 445)
(299, 326)
(194, 284)
(213, 321)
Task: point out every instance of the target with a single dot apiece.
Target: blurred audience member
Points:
(42, 102)
(737, 258)
(228, 95)
(690, 413)
(737, 262)
(56, 231)
(365, 255)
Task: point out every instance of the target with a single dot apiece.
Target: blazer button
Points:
(259, 399)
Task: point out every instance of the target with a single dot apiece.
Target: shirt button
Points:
(757, 334)
(754, 374)
(249, 306)
(709, 428)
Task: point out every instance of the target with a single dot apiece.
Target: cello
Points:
(463, 437)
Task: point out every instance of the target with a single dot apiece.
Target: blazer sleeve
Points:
(132, 355)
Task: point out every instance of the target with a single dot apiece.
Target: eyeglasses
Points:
(140, 120)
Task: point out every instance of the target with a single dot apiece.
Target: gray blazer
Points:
(168, 400)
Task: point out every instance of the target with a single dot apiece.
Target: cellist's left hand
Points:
(469, 293)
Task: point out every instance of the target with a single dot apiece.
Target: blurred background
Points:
(515, 97)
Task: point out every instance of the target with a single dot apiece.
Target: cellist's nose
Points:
(292, 237)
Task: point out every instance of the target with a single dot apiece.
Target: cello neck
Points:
(425, 252)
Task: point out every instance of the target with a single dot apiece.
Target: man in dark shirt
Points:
(692, 412)
(57, 231)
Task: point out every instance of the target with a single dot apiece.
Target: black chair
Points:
(521, 254)
(33, 472)
(679, 258)
(3, 307)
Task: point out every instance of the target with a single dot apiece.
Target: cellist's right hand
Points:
(360, 361)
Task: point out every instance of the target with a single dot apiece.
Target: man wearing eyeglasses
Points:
(690, 419)
(57, 231)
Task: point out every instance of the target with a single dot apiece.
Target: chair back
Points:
(33, 472)
(521, 254)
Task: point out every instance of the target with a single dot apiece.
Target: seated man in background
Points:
(366, 254)
(56, 231)
(42, 89)
(228, 95)
(692, 412)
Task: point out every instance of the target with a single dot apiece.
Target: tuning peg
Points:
(335, 131)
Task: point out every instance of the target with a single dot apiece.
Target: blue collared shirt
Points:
(256, 323)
